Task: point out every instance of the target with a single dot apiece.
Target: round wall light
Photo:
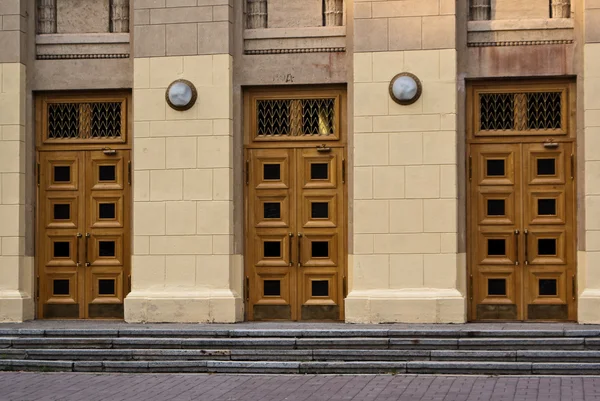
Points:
(405, 88)
(181, 95)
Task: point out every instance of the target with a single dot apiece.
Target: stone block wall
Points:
(405, 266)
(184, 268)
(16, 267)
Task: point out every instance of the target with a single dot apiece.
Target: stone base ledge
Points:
(588, 307)
(173, 306)
(406, 306)
(16, 306)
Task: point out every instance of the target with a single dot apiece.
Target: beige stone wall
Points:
(589, 260)
(405, 266)
(183, 268)
(16, 268)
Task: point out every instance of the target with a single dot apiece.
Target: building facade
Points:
(367, 161)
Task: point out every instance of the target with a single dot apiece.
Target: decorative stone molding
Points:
(77, 46)
(286, 51)
(295, 40)
(525, 43)
(46, 16)
(334, 12)
(119, 16)
(79, 56)
(520, 32)
(481, 10)
(561, 8)
(257, 14)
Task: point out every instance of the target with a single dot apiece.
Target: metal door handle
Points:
(323, 148)
(517, 247)
(299, 249)
(526, 246)
(87, 235)
(291, 235)
(78, 256)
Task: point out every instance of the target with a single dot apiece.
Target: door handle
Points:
(526, 246)
(291, 235)
(323, 148)
(517, 247)
(78, 253)
(299, 249)
(87, 236)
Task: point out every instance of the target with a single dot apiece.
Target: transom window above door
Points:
(295, 115)
(87, 119)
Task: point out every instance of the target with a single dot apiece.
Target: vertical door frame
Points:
(283, 92)
(569, 135)
(42, 145)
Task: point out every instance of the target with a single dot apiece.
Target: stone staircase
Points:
(447, 349)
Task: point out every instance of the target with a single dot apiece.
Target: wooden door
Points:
(83, 233)
(521, 238)
(295, 234)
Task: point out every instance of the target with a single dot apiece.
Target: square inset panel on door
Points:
(61, 287)
(272, 210)
(107, 286)
(319, 249)
(318, 170)
(106, 211)
(497, 247)
(106, 250)
(496, 206)
(497, 285)
(272, 250)
(271, 169)
(546, 246)
(61, 172)
(62, 212)
(62, 250)
(546, 207)
(495, 167)
(319, 210)
(107, 172)
(545, 167)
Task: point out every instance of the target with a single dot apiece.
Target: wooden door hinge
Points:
(574, 287)
(37, 288)
(345, 282)
(343, 171)
(470, 167)
(129, 172)
(247, 289)
(38, 174)
(247, 172)
(129, 283)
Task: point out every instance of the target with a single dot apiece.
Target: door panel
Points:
(521, 232)
(295, 234)
(83, 235)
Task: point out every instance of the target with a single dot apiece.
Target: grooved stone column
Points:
(184, 268)
(16, 260)
(405, 265)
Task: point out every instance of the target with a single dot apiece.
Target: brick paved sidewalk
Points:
(200, 387)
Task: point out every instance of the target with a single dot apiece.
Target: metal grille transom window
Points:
(91, 118)
(295, 115)
(521, 112)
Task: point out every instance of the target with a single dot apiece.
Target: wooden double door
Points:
(522, 231)
(83, 233)
(295, 259)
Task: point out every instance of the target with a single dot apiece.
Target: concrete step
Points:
(204, 331)
(291, 367)
(372, 343)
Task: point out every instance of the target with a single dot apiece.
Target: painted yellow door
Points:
(295, 238)
(83, 236)
(521, 234)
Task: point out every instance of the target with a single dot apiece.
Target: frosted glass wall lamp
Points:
(405, 88)
(181, 95)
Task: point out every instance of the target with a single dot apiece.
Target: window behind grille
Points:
(67, 119)
(521, 112)
(295, 115)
